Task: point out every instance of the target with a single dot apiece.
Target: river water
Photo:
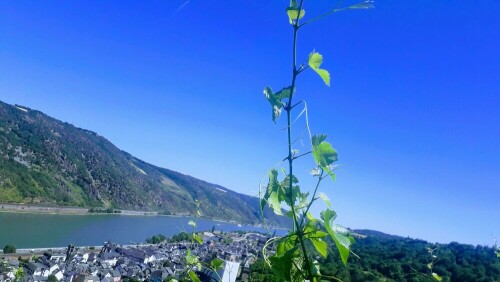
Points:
(25, 230)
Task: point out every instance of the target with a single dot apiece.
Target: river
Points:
(27, 230)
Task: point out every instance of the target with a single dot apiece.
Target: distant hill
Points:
(44, 160)
(377, 234)
(382, 257)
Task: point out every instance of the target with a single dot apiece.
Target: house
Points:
(228, 273)
(92, 257)
(51, 267)
(59, 275)
(115, 274)
(5, 278)
(109, 259)
(86, 278)
(31, 269)
(158, 276)
(137, 255)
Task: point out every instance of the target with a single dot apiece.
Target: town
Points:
(140, 262)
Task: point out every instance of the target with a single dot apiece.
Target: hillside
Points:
(44, 160)
(384, 257)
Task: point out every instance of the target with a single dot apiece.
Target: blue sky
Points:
(412, 109)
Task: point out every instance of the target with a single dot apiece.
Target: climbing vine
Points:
(293, 259)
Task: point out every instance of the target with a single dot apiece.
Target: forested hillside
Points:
(384, 257)
(43, 160)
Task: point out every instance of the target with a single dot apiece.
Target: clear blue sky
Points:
(413, 109)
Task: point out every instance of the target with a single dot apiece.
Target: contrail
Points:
(180, 7)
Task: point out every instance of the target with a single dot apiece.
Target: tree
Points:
(52, 278)
(9, 249)
(156, 239)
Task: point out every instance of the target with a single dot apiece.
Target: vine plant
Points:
(294, 260)
(193, 262)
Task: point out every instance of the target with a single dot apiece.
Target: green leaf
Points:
(197, 238)
(273, 196)
(276, 103)
(274, 203)
(318, 138)
(325, 199)
(328, 216)
(302, 197)
(276, 100)
(285, 186)
(315, 269)
(282, 264)
(310, 217)
(325, 75)
(342, 242)
(324, 154)
(193, 276)
(293, 14)
(320, 246)
(284, 93)
(436, 276)
(216, 263)
(312, 232)
(339, 229)
(286, 245)
(331, 174)
(190, 258)
(315, 61)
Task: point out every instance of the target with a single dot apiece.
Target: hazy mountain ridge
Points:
(44, 160)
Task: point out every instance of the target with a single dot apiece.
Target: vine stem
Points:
(296, 228)
(313, 196)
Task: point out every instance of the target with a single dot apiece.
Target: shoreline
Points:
(58, 210)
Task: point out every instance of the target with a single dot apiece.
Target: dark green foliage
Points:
(43, 160)
(52, 278)
(108, 210)
(393, 258)
(260, 272)
(156, 239)
(183, 236)
(9, 249)
(384, 257)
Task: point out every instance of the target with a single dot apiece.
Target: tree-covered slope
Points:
(44, 160)
(384, 257)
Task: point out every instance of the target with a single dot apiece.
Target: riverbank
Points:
(38, 209)
(59, 210)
